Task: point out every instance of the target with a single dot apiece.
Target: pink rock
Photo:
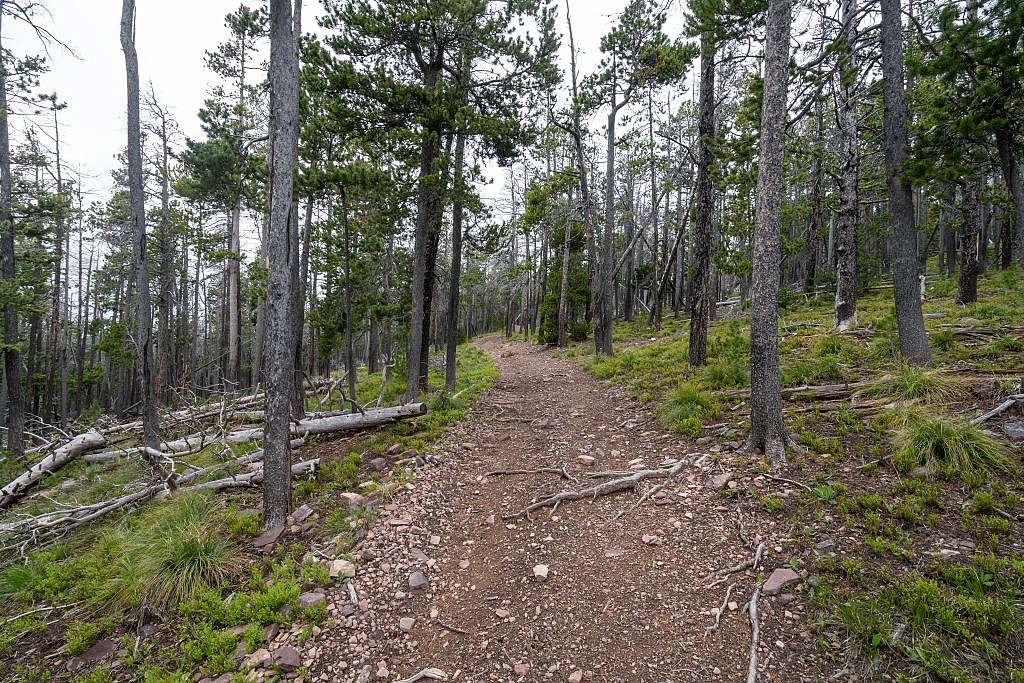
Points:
(779, 579)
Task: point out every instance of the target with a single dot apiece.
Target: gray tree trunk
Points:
(12, 339)
(1013, 249)
(906, 288)
(279, 346)
(700, 279)
(137, 198)
(845, 234)
(452, 331)
(767, 431)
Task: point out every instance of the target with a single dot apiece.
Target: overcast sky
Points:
(172, 36)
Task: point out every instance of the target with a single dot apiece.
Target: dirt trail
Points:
(615, 606)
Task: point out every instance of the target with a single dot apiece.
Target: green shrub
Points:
(81, 635)
(688, 407)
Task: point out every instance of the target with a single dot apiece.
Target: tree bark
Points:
(767, 431)
(280, 332)
(906, 288)
(700, 279)
(1013, 249)
(137, 199)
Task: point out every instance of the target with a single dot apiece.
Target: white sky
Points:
(171, 37)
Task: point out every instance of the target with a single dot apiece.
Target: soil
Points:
(624, 600)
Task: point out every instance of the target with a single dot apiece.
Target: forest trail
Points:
(625, 600)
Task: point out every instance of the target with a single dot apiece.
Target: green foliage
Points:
(213, 650)
(81, 635)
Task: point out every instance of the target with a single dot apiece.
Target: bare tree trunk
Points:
(906, 289)
(137, 198)
(452, 331)
(845, 244)
(58, 264)
(12, 339)
(350, 356)
(767, 431)
(700, 280)
(604, 308)
(280, 333)
(967, 283)
(165, 340)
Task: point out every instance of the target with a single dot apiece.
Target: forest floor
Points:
(626, 599)
(897, 524)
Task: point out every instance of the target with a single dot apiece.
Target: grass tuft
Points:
(953, 447)
(688, 407)
(176, 550)
(912, 383)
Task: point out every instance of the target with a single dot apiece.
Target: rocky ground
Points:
(446, 581)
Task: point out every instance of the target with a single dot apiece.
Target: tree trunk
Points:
(906, 288)
(767, 431)
(137, 199)
(967, 283)
(12, 339)
(845, 234)
(700, 279)
(58, 264)
(165, 341)
(1013, 248)
(280, 333)
(452, 330)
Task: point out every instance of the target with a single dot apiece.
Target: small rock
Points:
(406, 624)
(311, 599)
(271, 631)
(259, 657)
(342, 568)
(502, 613)
(719, 480)
(651, 539)
(269, 537)
(287, 658)
(435, 540)
(418, 581)
(100, 650)
(586, 459)
(826, 545)
(613, 552)
(540, 572)
(378, 465)
(302, 513)
(521, 669)
(576, 676)
(1014, 430)
(779, 579)
(351, 500)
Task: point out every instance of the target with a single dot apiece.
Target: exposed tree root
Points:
(755, 634)
(619, 483)
(788, 481)
(560, 471)
(752, 563)
(718, 615)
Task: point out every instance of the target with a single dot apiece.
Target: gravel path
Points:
(624, 600)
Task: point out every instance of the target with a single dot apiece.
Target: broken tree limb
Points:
(338, 423)
(622, 483)
(252, 479)
(13, 491)
(999, 409)
(805, 487)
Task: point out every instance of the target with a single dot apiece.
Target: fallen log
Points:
(337, 423)
(14, 490)
(51, 525)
